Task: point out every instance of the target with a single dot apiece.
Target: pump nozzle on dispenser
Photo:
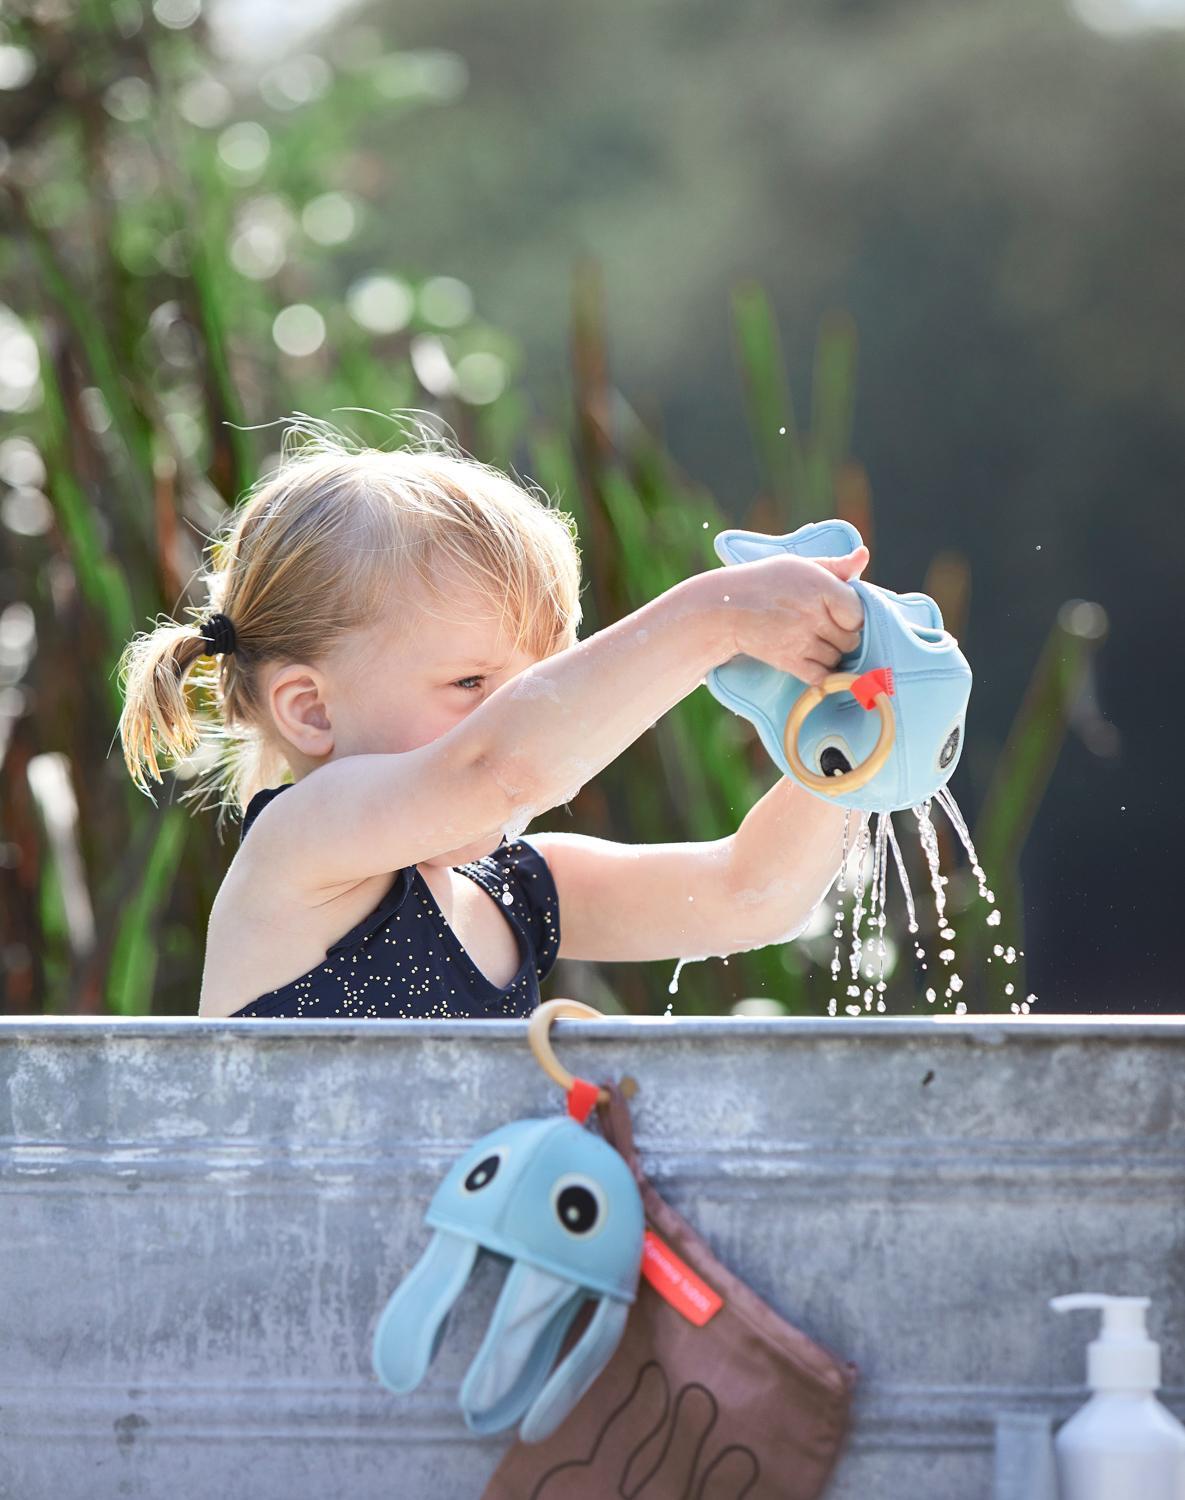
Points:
(1123, 1357)
(1123, 1444)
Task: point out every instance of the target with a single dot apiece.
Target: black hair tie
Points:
(219, 634)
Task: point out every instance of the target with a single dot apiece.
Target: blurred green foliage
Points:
(183, 260)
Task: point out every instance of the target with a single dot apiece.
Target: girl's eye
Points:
(461, 681)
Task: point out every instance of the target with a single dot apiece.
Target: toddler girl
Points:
(396, 632)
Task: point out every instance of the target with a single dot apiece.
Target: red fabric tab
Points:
(869, 684)
(675, 1281)
(581, 1098)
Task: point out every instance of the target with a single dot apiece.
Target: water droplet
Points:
(837, 934)
(1008, 988)
(903, 877)
(929, 842)
(930, 996)
(507, 897)
(946, 955)
(993, 919)
(857, 947)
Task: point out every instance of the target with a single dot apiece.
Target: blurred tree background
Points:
(619, 249)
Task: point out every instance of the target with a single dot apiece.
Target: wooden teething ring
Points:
(538, 1034)
(538, 1028)
(858, 776)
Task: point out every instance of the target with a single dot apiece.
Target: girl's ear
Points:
(298, 706)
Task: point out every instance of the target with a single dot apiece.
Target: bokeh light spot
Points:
(17, 66)
(330, 219)
(299, 330)
(380, 304)
(176, 14)
(20, 364)
(481, 377)
(244, 147)
(445, 301)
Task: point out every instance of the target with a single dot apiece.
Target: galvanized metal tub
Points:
(201, 1221)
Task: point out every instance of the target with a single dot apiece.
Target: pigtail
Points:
(153, 672)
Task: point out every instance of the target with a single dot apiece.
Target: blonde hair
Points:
(317, 550)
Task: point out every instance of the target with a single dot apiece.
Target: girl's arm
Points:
(554, 726)
(534, 742)
(693, 900)
(631, 902)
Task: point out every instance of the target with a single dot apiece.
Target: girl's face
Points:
(405, 683)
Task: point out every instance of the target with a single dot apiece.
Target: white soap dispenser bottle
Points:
(1123, 1444)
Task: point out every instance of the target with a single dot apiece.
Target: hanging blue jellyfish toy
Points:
(885, 731)
(562, 1206)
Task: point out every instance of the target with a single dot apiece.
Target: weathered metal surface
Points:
(200, 1222)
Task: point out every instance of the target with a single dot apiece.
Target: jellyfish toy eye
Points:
(579, 1205)
(483, 1173)
(834, 755)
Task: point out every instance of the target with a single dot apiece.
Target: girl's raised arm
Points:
(538, 738)
(530, 746)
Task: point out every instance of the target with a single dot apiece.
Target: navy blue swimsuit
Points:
(405, 960)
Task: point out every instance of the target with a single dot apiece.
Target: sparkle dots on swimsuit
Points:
(404, 960)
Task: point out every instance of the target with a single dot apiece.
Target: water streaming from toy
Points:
(875, 886)
(909, 668)
(885, 836)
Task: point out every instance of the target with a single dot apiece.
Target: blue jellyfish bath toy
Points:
(563, 1207)
(886, 730)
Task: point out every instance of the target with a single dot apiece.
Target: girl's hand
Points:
(796, 613)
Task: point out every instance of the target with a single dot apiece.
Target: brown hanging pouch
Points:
(710, 1394)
